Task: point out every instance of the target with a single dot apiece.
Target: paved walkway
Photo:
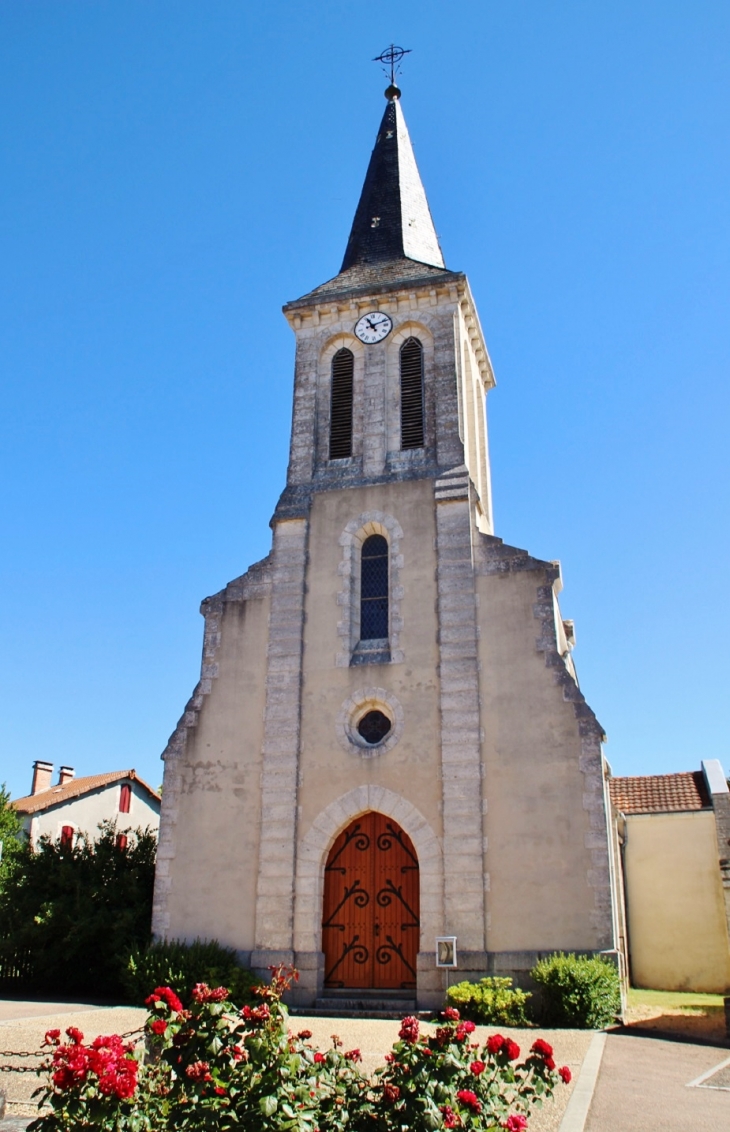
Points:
(643, 1086)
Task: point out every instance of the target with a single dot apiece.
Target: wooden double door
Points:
(370, 923)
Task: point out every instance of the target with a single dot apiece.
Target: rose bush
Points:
(445, 1080)
(213, 1066)
(104, 1085)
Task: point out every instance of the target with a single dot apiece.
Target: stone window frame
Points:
(339, 341)
(410, 328)
(348, 598)
(352, 711)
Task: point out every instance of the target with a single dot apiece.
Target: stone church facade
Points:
(388, 743)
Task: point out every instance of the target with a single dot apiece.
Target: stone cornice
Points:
(315, 311)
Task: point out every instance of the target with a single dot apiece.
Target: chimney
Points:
(65, 775)
(42, 772)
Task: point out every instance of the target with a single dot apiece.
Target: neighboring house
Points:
(674, 833)
(78, 805)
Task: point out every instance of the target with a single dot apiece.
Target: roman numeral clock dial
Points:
(373, 327)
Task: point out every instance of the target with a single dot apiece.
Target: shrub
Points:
(71, 914)
(577, 990)
(491, 1001)
(181, 965)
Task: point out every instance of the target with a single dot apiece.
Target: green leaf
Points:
(268, 1105)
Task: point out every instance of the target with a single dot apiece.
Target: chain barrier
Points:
(6, 1053)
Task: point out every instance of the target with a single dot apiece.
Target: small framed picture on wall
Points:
(446, 951)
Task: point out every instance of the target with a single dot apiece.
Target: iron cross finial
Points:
(390, 58)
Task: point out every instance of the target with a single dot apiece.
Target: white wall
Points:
(87, 811)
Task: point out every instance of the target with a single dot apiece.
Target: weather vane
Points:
(390, 58)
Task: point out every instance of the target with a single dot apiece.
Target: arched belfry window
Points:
(411, 394)
(343, 366)
(374, 589)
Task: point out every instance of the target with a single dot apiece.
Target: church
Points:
(388, 746)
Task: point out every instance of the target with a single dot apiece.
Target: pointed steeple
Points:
(393, 220)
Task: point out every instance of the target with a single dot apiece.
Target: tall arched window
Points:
(374, 589)
(343, 366)
(411, 394)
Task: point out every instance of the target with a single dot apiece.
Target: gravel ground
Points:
(22, 1027)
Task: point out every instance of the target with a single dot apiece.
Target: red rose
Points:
(495, 1043)
(565, 1073)
(464, 1029)
(257, 1013)
(63, 1078)
(515, 1123)
(158, 1026)
(544, 1049)
(219, 1091)
(511, 1049)
(451, 1014)
(304, 1035)
(201, 992)
(75, 1035)
(199, 1071)
(51, 1038)
(319, 1058)
(451, 1118)
(391, 1093)
(469, 1099)
(409, 1029)
(353, 1055)
(477, 1067)
(166, 995)
(549, 1063)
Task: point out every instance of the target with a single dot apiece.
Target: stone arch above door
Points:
(314, 847)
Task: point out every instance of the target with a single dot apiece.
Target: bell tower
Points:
(399, 313)
(388, 743)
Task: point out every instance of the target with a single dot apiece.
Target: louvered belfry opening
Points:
(411, 394)
(374, 589)
(343, 367)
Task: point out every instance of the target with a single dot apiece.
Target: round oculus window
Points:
(374, 727)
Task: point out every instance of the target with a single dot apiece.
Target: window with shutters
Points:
(343, 368)
(411, 394)
(67, 835)
(122, 841)
(374, 589)
(125, 797)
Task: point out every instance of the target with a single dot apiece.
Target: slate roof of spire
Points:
(393, 238)
(393, 219)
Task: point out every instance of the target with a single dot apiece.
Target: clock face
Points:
(373, 327)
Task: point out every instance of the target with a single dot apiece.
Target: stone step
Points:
(359, 1006)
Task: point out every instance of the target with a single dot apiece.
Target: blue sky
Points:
(173, 172)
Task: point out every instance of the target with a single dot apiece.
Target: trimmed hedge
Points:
(491, 1001)
(578, 991)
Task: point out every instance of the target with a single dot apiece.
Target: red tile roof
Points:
(74, 788)
(660, 793)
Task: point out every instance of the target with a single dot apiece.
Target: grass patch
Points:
(673, 1000)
